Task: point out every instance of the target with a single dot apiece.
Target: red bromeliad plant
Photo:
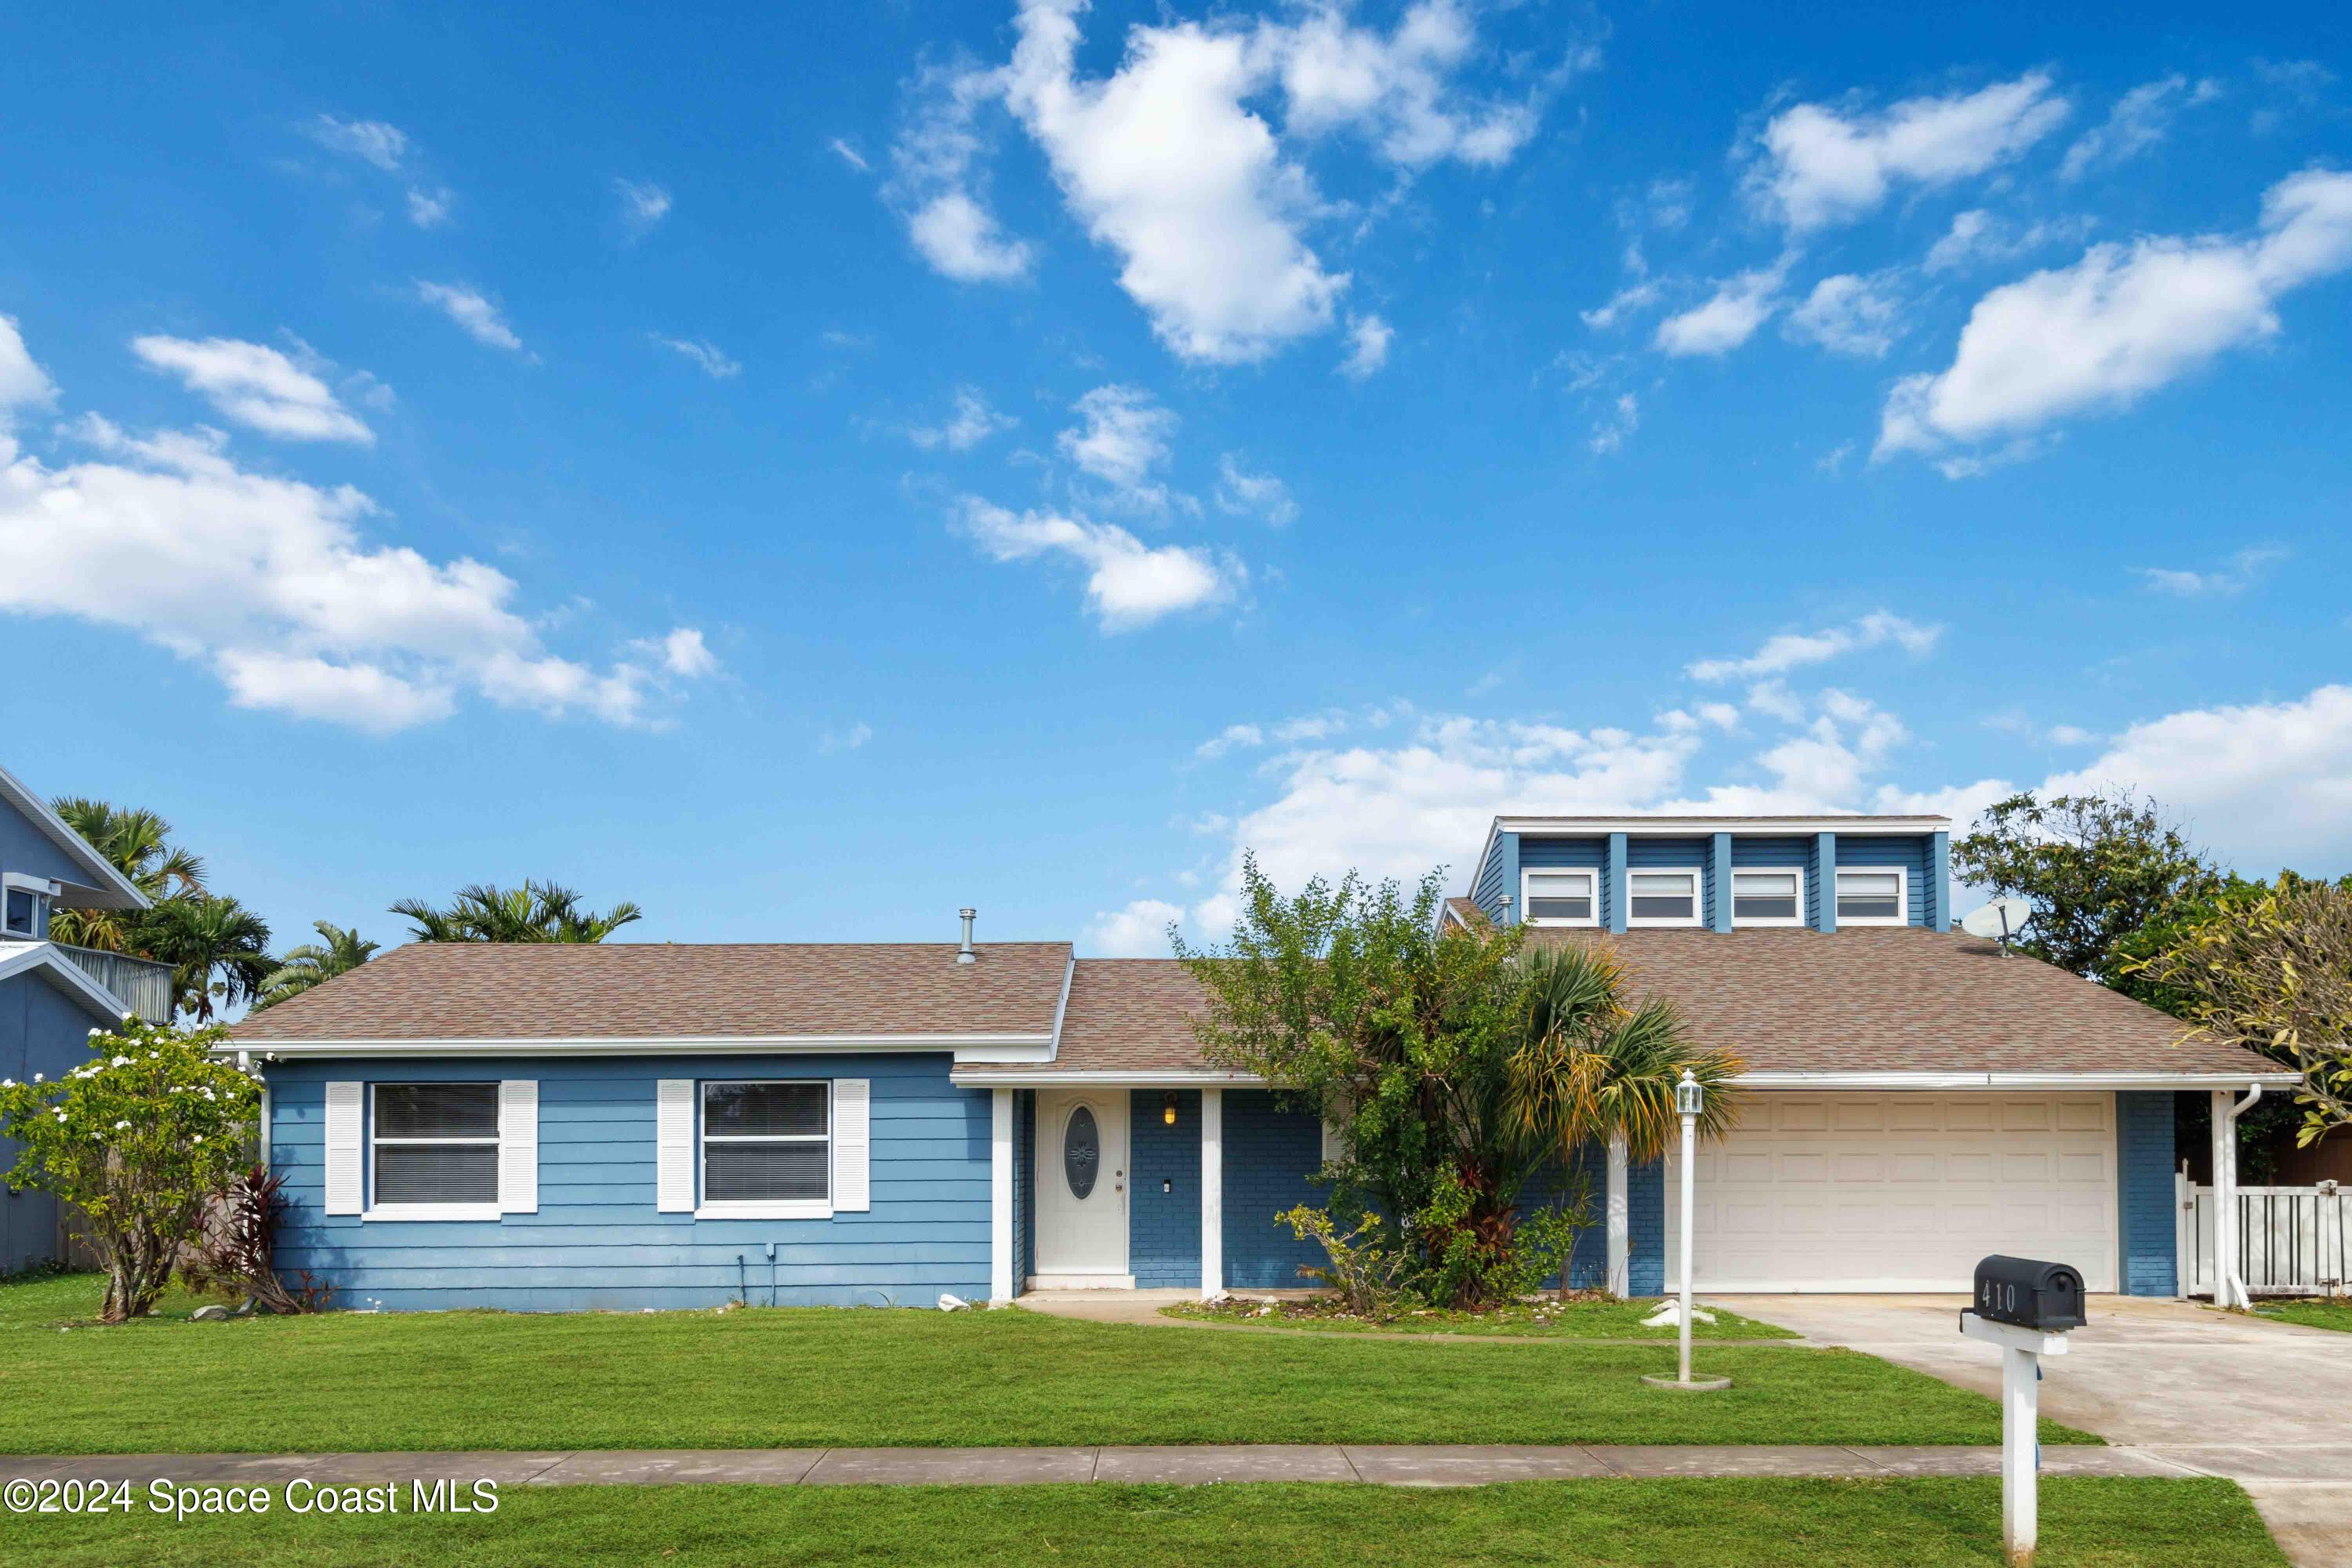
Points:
(235, 1256)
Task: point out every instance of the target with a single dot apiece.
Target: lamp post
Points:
(1690, 1100)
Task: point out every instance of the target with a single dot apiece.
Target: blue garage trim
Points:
(1163, 1228)
(2147, 1260)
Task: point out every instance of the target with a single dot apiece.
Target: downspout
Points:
(2226, 1271)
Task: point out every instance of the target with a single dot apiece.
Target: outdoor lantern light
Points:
(1168, 1108)
(1690, 1100)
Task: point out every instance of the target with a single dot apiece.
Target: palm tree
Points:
(135, 842)
(218, 950)
(536, 911)
(313, 964)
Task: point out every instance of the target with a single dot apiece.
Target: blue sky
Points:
(806, 471)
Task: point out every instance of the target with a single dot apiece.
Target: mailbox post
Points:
(2025, 1307)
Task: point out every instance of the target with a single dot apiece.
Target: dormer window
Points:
(1560, 897)
(1663, 898)
(1873, 897)
(21, 899)
(1768, 897)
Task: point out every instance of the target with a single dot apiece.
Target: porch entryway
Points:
(1082, 1190)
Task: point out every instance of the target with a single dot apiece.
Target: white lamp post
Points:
(1690, 1100)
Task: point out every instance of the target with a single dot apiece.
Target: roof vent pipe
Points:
(964, 954)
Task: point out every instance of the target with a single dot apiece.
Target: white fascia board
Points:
(982, 1047)
(1173, 1077)
(25, 957)
(1691, 826)
(114, 890)
(2008, 1080)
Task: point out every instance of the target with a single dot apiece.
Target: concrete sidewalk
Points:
(1184, 1466)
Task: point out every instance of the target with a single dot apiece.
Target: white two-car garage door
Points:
(1899, 1192)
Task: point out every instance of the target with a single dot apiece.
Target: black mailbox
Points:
(2030, 1293)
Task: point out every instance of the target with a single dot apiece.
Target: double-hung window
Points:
(436, 1148)
(1768, 898)
(1663, 898)
(1560, 897)
(766, 1146)
(1870, 897)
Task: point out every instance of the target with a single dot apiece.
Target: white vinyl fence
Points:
(2290, 1240)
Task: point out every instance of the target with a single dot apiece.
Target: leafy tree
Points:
(536, 911)
(314, 963)
(1454, 1068)
(2093, 868)
(218, 950)
(137, 843)
(2275, 974)
(137, 1138)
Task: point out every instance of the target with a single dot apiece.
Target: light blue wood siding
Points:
(23, 847)
(43, 1028)
(597, 1241)
(1496, 876)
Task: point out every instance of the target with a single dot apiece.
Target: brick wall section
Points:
(1163, 1228)
(1270, 1152)
(2144, 1161)
(1645, 1225)
(1024, 1187)
(1588, 1266)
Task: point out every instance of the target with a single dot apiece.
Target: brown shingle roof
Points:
(624, 990)
(1125, 1014)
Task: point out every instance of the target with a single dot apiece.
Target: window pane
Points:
(755, 1173)
(437, 1111)
(20, 911)
(1764, 895)
(437, 1172)
(1559, 908)
(1564, 896)
(762, 1110)
(1661, 883)
(1869, 895)
(1662, 896)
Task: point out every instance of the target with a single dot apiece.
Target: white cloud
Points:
(1122, 438)
(1624, 418)
(960, 238)
(705, 356)
(1128, 584)
(1795, 650)
(643, 203)
(1138, 931)
(1730, 318)
(467, 307)
(256, 386)
(2244, 568)
(849, 155)
(429, 208)
(1245, 494)
(973, 422)
(2140, 119)
(1977, 237)
(2070, 735)
(23, 384)
(1816, 165)
(1395, 89)
(1636, 296)
(1232, 737)
(849, 740)
(2122, 321)
(1848, 314)
(1368, 347)
(683, 653)
(370, 140)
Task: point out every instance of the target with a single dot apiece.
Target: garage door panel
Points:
(1859, 1192)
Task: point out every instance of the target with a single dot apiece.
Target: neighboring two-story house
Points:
(623, 1126)
(52, 995)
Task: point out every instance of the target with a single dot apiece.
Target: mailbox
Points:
(2030, 1293)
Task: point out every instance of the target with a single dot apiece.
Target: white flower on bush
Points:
(8, 1083)
(37, 1077)
(123, 1126)
(200, 1137)
(121, 1062)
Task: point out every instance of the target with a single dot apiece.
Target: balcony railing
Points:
(144, 986)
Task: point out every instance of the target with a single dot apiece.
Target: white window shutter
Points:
(344, 1188)
(674, 1146)
(518, 1146)
(853, 1143)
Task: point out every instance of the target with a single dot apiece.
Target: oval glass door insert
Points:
(1081, 1152)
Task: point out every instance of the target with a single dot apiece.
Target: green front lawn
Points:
(787, 1378)
(2312, 1312)
(2085, 1523)
(1599, 1319)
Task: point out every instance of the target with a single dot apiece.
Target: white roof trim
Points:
(120, 892)
(2010, 1080)
(24, 957)
(1690, 826)
(1171, 1078)
(972, 1047)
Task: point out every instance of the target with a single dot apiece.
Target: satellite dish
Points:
(1999, 920)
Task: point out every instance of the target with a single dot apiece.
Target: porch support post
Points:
(1000, 1195)
(2225, 1200)
(1621, 1235)
(1212, 1193)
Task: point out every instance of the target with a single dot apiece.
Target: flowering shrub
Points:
(137, 1138)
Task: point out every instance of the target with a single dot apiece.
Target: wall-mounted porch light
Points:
(1168, 1108)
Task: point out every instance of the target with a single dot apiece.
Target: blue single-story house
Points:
(552, 1127)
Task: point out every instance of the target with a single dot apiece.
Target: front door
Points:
(1082, 1190)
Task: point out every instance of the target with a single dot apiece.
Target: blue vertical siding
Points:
(1911, 852)
(597, 1241)
(2147, 1262)
(1163, 1228)
(43, 1029)
(1940, 881)
(1270, 1153)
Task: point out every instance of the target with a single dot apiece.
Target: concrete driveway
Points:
(2268, 1404)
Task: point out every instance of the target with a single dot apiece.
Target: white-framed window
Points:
(767, 1149)
(1871, 896)
(434, 1151)
(1767, 896)
(1662, 898)
(21, 898)
(1560, 898)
